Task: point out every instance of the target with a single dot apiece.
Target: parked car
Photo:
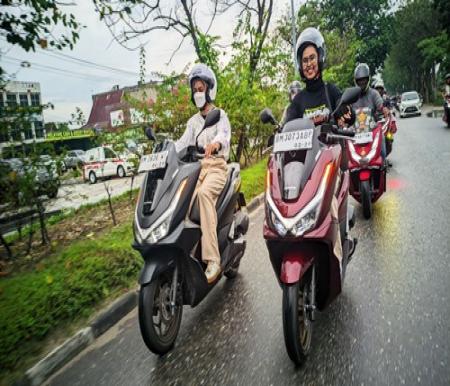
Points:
(101, 162)
(74, 159)
(410, 104)
(44, 172)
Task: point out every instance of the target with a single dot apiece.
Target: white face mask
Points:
(200, 99)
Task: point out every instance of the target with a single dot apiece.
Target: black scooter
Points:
(169, 238)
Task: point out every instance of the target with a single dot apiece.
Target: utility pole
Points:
(294, 34)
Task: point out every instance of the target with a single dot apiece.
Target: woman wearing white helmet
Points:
(216, 142)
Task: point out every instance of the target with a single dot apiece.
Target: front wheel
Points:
(159, 324)
(366, 199)
(120, 172)
(297, 325)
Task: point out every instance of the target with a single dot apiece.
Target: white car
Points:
(101, 162)
(410, 104)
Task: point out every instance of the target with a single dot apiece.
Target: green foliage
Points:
(410, 64)
(253, 179)
(68, 285)
(371, 22)
(31, 23)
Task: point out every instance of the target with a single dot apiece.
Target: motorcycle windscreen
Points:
(297, 163)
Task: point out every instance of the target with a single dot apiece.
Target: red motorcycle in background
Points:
(306, 192)
(389, 130)
(366, 165)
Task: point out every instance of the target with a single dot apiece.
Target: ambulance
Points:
(103, 162)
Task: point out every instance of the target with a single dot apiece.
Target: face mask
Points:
(200, 99)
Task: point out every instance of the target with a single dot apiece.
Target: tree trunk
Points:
(241, 144)
(6, 245)
(41, 213)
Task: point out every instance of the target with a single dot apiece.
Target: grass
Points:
(253, 179)
(64, 289)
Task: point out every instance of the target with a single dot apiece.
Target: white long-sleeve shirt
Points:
(220, 132)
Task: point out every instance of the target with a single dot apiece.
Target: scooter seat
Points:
(195, 211)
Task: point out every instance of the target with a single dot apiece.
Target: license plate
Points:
(153, 161)
(294, 140)
(363, 138)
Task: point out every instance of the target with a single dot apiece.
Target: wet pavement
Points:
(390, 326)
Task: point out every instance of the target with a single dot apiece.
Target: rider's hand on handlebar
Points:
(211, 149)
(345, 116)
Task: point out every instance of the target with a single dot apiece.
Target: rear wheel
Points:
(366, 199)
(297, 325)
(158, 324)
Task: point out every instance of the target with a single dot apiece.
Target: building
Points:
(25, 94)
(111, 109)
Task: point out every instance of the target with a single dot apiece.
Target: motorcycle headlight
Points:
(308, 216)
(373, 150)
(306, 222)
(160, 228)
(277, 225)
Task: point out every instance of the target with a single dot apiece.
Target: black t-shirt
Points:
(311, 102)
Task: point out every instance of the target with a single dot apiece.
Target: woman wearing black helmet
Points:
(318, 99)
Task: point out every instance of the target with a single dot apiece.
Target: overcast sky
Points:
(67, 90)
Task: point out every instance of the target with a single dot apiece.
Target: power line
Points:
(69, 58)
(51, 68)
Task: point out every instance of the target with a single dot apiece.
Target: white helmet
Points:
(378, 84)
(203, 72)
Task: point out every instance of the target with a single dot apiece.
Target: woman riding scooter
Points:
(318, 99)
(216, 142)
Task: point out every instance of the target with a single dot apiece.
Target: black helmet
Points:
(310, 36)
(362, 71)
(294, 87)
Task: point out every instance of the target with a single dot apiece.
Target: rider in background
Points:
(370, 103)
(446, 95)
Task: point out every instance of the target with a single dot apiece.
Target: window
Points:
(23, 99)
(11, 100)
(39, 129)
(109, 153)
(35, 99)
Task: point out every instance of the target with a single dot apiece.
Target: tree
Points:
(130, 20)
(371, 22)
(414, 23)
(31, 23)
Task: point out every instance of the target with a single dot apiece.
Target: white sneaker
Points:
(212, 271)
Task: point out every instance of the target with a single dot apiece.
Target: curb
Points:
(104, 320)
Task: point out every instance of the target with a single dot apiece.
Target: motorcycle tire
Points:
(154, 303)
(232, 272)
(366, 199)
(297, 326)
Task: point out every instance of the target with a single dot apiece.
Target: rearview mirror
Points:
(266, 116)
(350, 96)
(150, 134)
(212, 118)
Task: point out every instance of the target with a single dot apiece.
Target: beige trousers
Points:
(212, 179)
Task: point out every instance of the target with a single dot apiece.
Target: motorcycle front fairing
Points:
(296, 252)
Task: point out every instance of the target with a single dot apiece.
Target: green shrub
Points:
(254, 179)
(67, 287)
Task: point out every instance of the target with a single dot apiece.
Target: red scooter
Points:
(390, 130)
(305, 185)
(367, 167)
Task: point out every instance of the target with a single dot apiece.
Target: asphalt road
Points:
(390, 326)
